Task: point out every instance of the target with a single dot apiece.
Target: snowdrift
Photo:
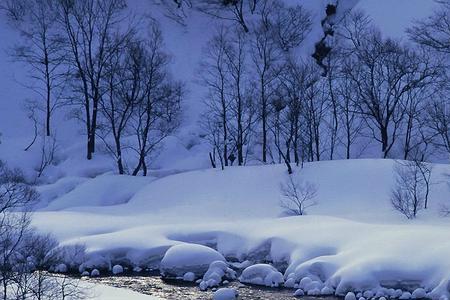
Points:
(352, 240)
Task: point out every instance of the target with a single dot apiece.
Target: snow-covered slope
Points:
(352, 239)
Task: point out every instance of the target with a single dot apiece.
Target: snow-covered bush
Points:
(412, 187)
(297, 195)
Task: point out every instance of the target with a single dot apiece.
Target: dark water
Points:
(174, 290)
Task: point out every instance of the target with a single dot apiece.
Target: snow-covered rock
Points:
(189, 276)
(117, 269)
(289, 283)
(217, 271)
(405, 296)
(419, 293)
(350, 296)
(262, 274)
(299, 293)
(61, 268)
(225, 294)
(327, 291)
(183, 258)
(95, 273)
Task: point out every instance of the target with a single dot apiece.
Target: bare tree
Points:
(125, 89)
(384, 72)
(157, 115)
(216, 77)
(267, 61)
(434, 32)
(242, 107)
(298, 196)
(40, 48)
(433, 35)
(15, 195)
(232, 10)
(47, 155)
(351, 122)
(89, 29)
(412, 186)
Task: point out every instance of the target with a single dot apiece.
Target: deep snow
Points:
(352, 240)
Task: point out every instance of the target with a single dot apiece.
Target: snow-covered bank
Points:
(351, 241)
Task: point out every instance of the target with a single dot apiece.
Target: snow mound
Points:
(117, 269)
(217, 271)
(262, 274)
(183, 258)
(225, 294)
(104, 190)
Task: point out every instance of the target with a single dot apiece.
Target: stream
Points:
(176, 290)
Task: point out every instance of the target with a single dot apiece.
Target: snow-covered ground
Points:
(351, 240)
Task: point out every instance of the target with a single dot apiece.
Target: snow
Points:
(225, 294)
(350, 296)
(183, 258)
(179, 219)
(262, 274)
(187, 222)
(117, 269)
(102, 190)
(216, 273)
(189, 276)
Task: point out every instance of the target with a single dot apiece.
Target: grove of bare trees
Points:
(105, 67)
(266, 101)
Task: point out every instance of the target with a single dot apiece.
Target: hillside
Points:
(184, 217)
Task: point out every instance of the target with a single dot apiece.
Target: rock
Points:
(314, 292)
(350, 296)
(262, 274)
(290, 283)
(184, 258)
(327, 291)
(61, 268)
(304, 282)
(419, 293)
(189, 276)
(368, 294)
(225, 294)
(299, 293)
(117, 269)
(95, 273)
(405, 296)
